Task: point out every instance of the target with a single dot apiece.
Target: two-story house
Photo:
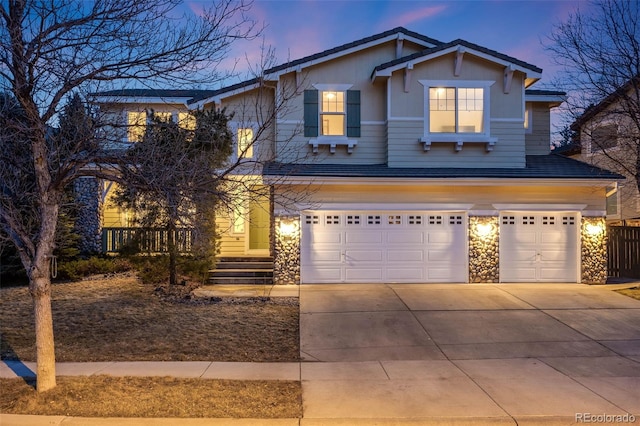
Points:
(400, 158)
(607, 136)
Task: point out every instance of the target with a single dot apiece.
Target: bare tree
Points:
(50, 49)
(599, 51)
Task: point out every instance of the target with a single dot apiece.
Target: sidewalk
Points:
(517, 354)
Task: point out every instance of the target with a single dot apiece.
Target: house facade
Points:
(607, 136)
(400, 158)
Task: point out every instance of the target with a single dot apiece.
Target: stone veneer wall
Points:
(88, 194)
(593, 236)
(484, 254)
(286, 262)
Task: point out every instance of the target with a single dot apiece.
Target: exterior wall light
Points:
(594, 229)
(485, 230)
(288, 228)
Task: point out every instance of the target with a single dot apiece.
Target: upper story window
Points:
(332, 113)
(244, 137)
(604, 137)
(332, 116)
(456, 110)
(528, 117)
(137, 122)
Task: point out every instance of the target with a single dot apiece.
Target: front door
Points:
(259, 225)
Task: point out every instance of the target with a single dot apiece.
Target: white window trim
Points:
(459, 138)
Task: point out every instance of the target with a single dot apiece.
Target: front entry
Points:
(259, 225)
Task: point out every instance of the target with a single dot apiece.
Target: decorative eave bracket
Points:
(399, 45)
(333, 143)
(457, 65)
(407, 77)
(508, 78)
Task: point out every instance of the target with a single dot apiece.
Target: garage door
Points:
(378, 246)
(537, 247)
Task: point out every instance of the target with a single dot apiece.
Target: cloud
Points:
(416, 15)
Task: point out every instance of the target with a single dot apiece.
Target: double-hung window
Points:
(244, 138)
(332, 113)
(332, 116)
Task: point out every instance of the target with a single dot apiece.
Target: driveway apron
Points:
(505, 352)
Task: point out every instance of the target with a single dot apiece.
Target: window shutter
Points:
(311, 113)
(353, 113)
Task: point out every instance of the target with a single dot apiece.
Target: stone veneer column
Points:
(286, 260)
(593, 237)
(88, 196)
(484, 250)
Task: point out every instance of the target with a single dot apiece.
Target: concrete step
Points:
(241, 273)
(243, 265)
(241, 280)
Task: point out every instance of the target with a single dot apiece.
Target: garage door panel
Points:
(554, 238)
(326, 275)
(405, 237)
(445, 275)
(440, 237)
(555, 256)
(325, 255)
(325, 237)
(364, 255)
(404, 274)
(364, 237)
(364, 275)
(405, 256)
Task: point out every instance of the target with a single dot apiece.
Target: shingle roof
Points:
(458, 42)
(155, 93)
(536, 92)
(537, 167)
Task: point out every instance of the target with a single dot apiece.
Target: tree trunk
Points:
(172, 253)
(40, 288)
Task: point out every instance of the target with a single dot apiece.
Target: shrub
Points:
(77, 269)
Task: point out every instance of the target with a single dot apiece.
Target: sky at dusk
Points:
(516, 28)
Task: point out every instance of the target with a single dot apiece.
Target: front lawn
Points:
(120, 319)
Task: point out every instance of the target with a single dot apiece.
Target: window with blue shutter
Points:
(311, 109)
(353, 113)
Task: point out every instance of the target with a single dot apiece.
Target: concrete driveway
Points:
(503, 353)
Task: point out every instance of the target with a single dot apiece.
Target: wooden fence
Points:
(623, 250)
(145, 240)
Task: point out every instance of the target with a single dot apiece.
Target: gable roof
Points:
(593, 110)
(549, 166)
(388, 67)
(149, 95)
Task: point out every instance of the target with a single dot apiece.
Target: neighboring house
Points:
(607, 137)
(409, 160)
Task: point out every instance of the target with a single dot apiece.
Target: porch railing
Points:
(146, 240)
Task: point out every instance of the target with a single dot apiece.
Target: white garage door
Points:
(537, 247)
(377, 246)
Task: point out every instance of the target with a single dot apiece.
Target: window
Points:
(332, 114)
(456, 110)
(187, 121)
(136, 122)
(613, 201)
(245, 142)
(332, 111)
(528, 115)
(604, 137)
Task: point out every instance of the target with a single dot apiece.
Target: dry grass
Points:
(631, 292)
(120, 319)
(105, 396)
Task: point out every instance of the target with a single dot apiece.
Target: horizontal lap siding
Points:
(406, 150)
(230, 244)
(371, 148)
